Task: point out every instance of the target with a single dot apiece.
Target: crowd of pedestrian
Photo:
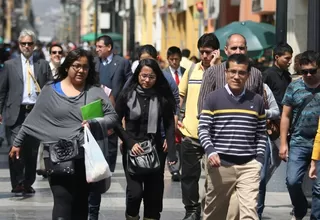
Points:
(223, 118)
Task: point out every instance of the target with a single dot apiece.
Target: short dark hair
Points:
(281, 49)
(55, 45)
(174, 50)
(149, 49)
(185, 53)
(106, 39)
(209, 40)
(309, 57)
(239, 59)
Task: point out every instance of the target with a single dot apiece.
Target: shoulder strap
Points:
(190, 71)
(304, 104)
(189, 76)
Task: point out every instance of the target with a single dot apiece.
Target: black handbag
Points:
(59, 156)
(146, 163)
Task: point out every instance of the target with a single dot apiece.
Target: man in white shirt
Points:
(185, 62)
(20, 84)
(56, 53)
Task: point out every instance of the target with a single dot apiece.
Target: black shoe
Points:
(1, 141)
(192, 216)
(175, 177)
(29, 190)
(18, 189)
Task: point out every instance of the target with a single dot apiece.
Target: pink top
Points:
(106, 90)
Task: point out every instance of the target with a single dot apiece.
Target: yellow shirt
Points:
(186, 63)
(316, 145)
(190, 89)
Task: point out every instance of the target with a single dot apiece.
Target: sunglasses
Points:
(24, 44)
(56, 52)
(311, 71)
(208, 52)
(235, 48)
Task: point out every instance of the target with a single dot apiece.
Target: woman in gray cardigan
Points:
(57, 116)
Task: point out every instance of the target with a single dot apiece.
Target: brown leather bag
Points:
(273, 126)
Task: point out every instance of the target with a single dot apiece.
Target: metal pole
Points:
(96, 19)
(132, 29)
(167, 24)
(281, 21)
(313, 25)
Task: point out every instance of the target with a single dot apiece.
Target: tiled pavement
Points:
(39, 206)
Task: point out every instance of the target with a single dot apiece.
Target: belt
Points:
(27, 107)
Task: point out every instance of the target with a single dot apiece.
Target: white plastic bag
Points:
(40, 161)
(96, 165)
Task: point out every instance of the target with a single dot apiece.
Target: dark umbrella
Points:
(259, 36)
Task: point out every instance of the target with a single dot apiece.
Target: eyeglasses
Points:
(145, 76)
(56, 52)
(206, 51)
(77, 67)
(24, 44)
(235, 48)
(240, 73)
(311, 71)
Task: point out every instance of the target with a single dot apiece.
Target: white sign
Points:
(104, 21)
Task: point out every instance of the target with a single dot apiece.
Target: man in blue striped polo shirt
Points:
(232, 131)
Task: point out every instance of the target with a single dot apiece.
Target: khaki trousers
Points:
(232, 192)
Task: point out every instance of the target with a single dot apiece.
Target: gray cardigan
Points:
(273, 112)
(57, 116)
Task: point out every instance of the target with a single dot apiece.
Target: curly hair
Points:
(93, 76)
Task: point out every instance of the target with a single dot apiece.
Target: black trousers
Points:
(23, 171)
(176, 167)
(113, 150)
(148, 188)
(70, 194)
(191, 155)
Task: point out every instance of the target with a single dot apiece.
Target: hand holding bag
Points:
(145, 163)
(41, 169)
(96, 165)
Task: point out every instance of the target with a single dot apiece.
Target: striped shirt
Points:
(214, 78)
(189, 88)
(235, 129)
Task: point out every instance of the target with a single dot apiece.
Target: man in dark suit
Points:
(20, 84)
(174, 69)
(114, 71)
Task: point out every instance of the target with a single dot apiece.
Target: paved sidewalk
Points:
(39, 206)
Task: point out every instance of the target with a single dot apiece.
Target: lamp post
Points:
(281, 21)
(132, 29)
(95, 19)
(313, 25)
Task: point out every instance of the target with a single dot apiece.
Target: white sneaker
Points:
(295, 218)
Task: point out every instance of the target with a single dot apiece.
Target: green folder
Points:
(92, 110)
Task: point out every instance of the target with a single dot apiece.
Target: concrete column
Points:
(296, 26)
(7, 37)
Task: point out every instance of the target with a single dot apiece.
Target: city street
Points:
(39, 206)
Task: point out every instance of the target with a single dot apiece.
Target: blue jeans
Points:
(264, 177)
(298, 163)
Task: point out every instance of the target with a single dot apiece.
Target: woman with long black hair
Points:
(144, 104)
(56, 117)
